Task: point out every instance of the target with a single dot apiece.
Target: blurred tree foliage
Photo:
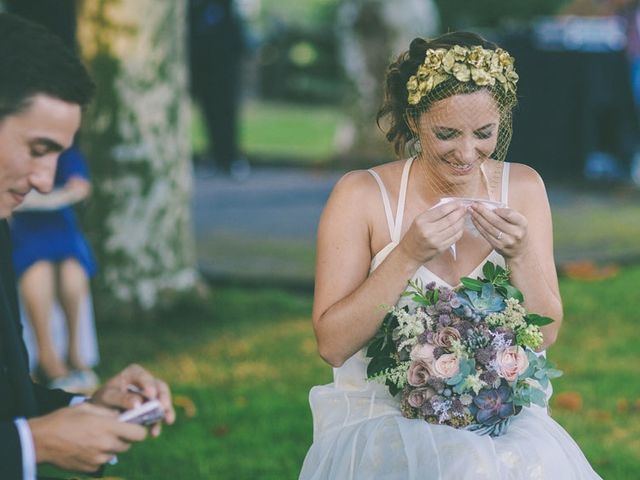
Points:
(299, 54)
(460, 14)
(300, 64)
(455, 14)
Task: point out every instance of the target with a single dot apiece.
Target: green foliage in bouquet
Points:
(382, 349)
(500, 278)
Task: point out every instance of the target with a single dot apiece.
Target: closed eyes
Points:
(41, 147)
(482, 133)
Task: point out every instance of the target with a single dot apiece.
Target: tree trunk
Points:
(136, 137)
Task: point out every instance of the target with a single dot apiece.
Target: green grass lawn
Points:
(246, 360)
(297, 134)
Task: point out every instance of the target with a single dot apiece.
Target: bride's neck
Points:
(431, 187)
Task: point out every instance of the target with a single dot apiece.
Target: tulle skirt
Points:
(361, 435)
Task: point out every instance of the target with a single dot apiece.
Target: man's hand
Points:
(116, 394)
(82, 438)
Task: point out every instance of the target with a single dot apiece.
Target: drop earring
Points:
(416, 147)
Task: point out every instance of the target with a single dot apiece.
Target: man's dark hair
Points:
(35, 61)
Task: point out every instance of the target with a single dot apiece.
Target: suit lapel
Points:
(12, 345)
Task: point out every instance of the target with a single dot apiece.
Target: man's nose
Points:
(43, 173)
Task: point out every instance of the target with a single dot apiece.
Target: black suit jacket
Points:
(19, 396)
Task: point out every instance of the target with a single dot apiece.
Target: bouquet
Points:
(465, 357)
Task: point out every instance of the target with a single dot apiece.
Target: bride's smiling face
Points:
(458, 133)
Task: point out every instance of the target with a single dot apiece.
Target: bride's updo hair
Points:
(396, 104)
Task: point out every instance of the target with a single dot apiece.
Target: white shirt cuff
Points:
(27, 448)
(78, 399)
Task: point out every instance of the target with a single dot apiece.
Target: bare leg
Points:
(38, 291)
(73, 287)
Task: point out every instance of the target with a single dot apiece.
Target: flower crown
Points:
(480, 65)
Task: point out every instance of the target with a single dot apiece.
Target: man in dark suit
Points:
(43, 87)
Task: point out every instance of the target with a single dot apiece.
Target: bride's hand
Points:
(433, 231)
(504, 228)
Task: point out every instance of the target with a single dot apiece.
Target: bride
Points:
(435, 217)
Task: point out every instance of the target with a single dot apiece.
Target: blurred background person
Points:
(217, 45)
(53, 263)
(629, 10)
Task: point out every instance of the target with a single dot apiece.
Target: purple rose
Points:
(419, 396)
(446, 336)
(418, 374)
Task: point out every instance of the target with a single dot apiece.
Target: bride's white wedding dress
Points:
(359, 433)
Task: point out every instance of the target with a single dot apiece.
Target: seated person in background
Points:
(53, 263)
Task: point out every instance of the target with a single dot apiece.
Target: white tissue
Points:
(468, 223)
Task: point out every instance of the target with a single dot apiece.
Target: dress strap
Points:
(504, 198)
(385, 201)
(395, 236)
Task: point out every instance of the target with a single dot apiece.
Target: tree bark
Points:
(136, 137)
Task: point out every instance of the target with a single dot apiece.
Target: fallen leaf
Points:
(571, 401)
(186, 404)
(589, 271)
(622, 405)
(220, 430)
(599, 415)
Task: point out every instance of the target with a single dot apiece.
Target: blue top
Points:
(52, 235)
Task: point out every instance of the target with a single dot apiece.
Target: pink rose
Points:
(422, 352)
(444, 337)
(512, 361)
(418, 374)
(446, 366)
(417, 397)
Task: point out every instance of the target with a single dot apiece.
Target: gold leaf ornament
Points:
(461, 71)
(482, 77)
(484, 67)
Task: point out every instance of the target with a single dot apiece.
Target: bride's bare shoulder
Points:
(525, 184)
(524, 177)
(360, 185)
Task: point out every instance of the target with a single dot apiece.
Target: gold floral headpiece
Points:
(482, 66)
